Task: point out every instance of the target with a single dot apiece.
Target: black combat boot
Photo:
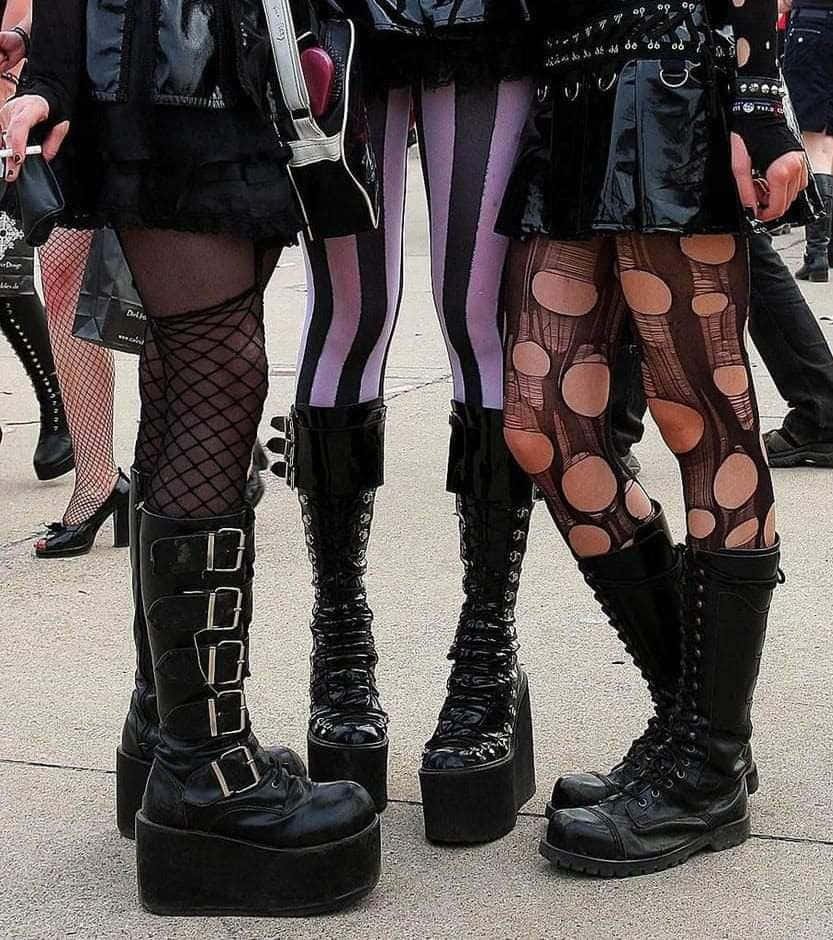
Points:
(335, 458)
(816, 265)
(140, 733)
(23, 321)
(693, 793)
(640, 590)
(478, 770)
(224, 829)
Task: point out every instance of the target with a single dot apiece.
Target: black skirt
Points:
(138, 163)
(628, 146)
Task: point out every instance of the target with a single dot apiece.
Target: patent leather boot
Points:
(223, 829)
(140, 733)
(23, 321)
(335, 459)
(477, 769)
(692, 795)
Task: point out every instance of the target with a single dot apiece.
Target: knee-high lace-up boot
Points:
(477, 769)
(640, 590)
(224, 829)
(693, 793)
(335, 459)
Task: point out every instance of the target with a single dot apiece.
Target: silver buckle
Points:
(212, 714)
(211, 674)
(252, 765)
(212, 606)
(241, 548)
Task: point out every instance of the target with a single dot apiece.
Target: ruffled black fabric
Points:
(484, 56)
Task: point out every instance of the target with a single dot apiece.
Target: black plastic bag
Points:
(109, 310)
(17, 260)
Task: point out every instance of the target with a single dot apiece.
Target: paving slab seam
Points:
(415, 388)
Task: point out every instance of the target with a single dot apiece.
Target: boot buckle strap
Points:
(248, 760)
(211, 609)
(209, 671)
(215, 713)
(211, 549)
(283, 446)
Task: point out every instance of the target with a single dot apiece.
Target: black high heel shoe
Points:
(66, 541)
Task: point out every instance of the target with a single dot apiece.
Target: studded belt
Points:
(673, 29)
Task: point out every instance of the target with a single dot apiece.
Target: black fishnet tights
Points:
(687, 300)
(206, 351)
(85, 374)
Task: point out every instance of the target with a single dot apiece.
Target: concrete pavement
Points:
(66, 665)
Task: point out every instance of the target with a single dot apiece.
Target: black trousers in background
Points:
(788, 338)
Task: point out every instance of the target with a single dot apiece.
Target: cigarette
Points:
(30, 152)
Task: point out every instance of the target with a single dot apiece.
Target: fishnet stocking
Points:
(208, 354)
(687, 298)
(152, 420)
(85, 374)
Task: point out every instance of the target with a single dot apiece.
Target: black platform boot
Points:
(335, 458)
(25, 329)
(223, 829)
(693, 794)
(478, 770)
(640, 590)
(816, 265)
(140, 734)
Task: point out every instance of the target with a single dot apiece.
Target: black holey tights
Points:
(203, 374)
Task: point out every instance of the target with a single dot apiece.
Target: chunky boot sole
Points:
(51, 471)
(187, 873)
(816, 275)
(753, 783)
(726, 837)
(365, 764)
(131, 779)
(481, 804)
(808, 455)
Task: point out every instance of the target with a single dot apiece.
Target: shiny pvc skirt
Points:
(643, 148)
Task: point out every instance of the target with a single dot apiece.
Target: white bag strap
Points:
(288, 66)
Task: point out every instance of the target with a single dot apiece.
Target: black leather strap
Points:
(224, 550)
(222, 715)
(219, 665)
(223, 609)
(238, 770)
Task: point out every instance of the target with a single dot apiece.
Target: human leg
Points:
(477, 769)
(196, 558)
(691, 294)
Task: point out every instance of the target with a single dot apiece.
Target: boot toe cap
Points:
(581, 789)
(349, 732)
(583, 831)
(333, 812)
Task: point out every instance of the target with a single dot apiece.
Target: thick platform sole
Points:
(753, 783)
(726, 837)
(366, 764)
(808, 455)
(51, 471)
(131, 779)
(481, 804)
(194, 874)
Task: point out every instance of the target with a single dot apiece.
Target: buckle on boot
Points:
(210, 673)
(212, 547)
(214, 715)
(249, 761)
(212, 608)
(283, 446)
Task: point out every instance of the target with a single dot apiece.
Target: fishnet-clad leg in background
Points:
(85, 373)
(204, 299)
(688, 301)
